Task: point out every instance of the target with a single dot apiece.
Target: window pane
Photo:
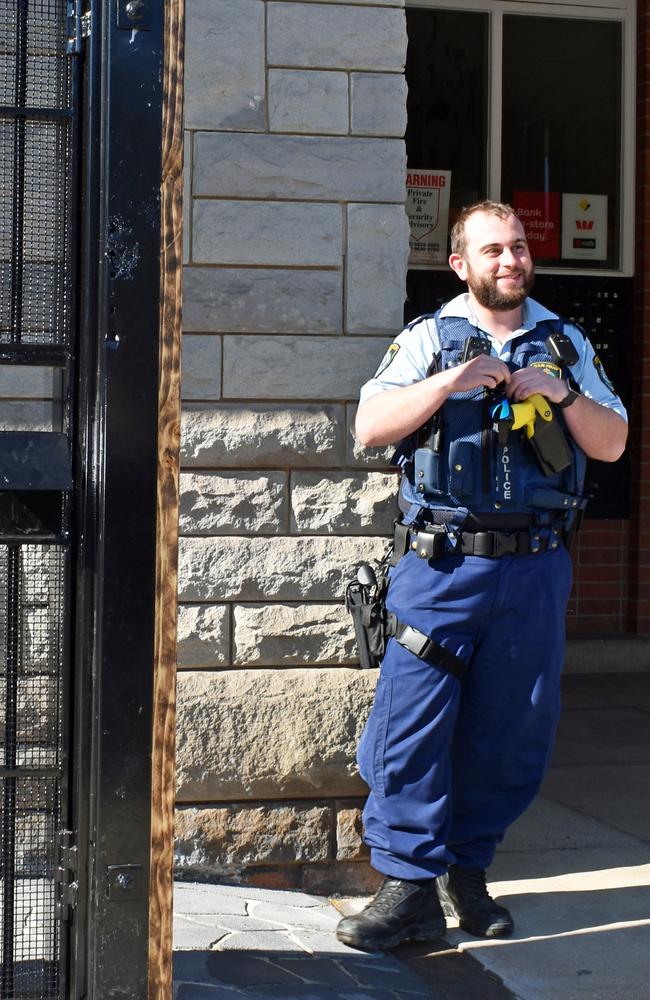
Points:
(561, 137)
(446, 72)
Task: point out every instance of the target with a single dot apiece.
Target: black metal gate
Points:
(37, 198)
(80, 166)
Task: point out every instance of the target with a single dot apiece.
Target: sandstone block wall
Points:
(296, 244)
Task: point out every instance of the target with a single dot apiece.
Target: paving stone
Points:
(224, 891)
(274, 941)
(320, 942)
(305, 992)
(315, 970)
(234, 923)
(190, 991)
(607, 792)
(193, 897)
(594, 736)
(192, 936)
(227, 969)
(387, 974)
(320, 918)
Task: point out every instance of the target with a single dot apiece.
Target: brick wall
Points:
(296, 242)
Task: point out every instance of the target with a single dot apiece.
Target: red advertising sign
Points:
(539, 213)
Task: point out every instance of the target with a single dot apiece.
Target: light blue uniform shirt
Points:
(409, 356)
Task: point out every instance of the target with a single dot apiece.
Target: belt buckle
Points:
(505, 544)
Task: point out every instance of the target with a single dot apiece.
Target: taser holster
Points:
(544, 433)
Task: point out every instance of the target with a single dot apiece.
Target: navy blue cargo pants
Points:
(450, 764)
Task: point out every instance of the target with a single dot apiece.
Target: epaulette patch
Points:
(387, 359)
(602, 374)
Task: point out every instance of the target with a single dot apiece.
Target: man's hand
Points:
(525, 382)
(481, 371)
(600, 432)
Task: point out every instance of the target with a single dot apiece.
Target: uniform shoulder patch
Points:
(387, 359)
(602, 374)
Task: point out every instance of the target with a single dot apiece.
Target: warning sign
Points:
(427, 206)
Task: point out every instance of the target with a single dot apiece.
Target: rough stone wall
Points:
(296, 242)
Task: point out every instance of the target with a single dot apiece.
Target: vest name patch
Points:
(548, 368)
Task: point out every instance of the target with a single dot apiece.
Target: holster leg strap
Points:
(427, 649)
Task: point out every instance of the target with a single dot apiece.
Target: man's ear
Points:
(457, 264)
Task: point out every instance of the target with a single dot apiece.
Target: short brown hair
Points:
(457, 234)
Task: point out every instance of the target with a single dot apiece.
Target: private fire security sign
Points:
(427, 205)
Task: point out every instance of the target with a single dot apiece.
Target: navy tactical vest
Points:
(457, 462)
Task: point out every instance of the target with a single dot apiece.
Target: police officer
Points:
(467, 700)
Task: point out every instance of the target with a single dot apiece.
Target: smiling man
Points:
(494, 402)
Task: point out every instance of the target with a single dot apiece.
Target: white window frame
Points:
(624, 12)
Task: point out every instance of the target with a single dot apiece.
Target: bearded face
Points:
(501, 292)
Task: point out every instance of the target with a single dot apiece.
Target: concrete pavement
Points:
(575, 870)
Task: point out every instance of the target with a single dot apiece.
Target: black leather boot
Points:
(401, 911)
(463, 894)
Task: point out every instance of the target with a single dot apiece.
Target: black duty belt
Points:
(431, 542)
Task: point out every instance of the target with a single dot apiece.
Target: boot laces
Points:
(391, 893)
(471, 882)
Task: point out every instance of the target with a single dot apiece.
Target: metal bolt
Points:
(420, 473)
(124, 881)
(458, 467)
(554, 545)
(414, 546)
(498, 505)
(135, 9)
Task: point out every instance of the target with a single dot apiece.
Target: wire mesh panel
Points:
(35, 178)
(31, 751)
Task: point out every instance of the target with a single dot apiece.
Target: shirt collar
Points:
(533, 313)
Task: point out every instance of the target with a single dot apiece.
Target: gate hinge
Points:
(66, 875)
(79, 26)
